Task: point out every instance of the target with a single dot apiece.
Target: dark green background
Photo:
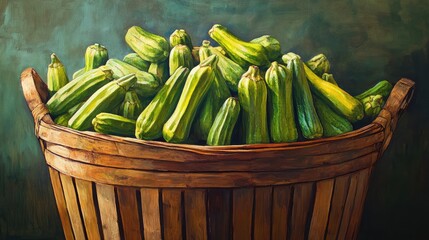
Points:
(366, 41)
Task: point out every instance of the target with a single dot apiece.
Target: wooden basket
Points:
(109, 187)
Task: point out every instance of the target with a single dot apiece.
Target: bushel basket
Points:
(109, 187)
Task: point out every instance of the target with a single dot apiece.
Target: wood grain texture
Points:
(262, 217)
(127, 200)
(61, 204)
(362, 185)
(322, 204)
(348, 206)
(172, 214)
(87, 206)
(108, 211)
(140, 178)
(301, 207)
(339, 195)
(72, 206)
(195, 214)
(151, 213)
(219, 213)
(280, 212)
(242, 213)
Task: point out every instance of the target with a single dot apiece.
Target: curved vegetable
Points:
(243, 53)
(319, 64)
(136, 61)
(180, 36)
(252, 94)
(150, 47)
(180, 55)
(271, 45)
(280, 104)
(177, 128)
(333, 123)
(131, 107)
(57, 76)
(382, 88)
(113, 124)
(223, 126)
(96, 55)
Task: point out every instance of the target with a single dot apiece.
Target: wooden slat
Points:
(339, 195)
(219, 213)
(151, 213)
(282, 162)
(322, 204)
(72, 206)
(86, 200)
(262, 218)
(348, 207)
(242, 212)
(302, 198)
(108, 211)
(280, 212)
(195, 214)
(355, 218)
(127, 200)
(61, 204)
(172, 214)
(140, 178)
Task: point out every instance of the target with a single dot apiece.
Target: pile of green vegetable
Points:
(236, 93)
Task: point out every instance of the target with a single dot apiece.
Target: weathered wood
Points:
(253, 165)
(172, 214)
(108, 211)
(87, 206)
(339, 195)
(301, 206)
(262, 218)
(127, 200)
(151, 213)
(322, 204)
(195, 214)
(242, 213)
(139, 178)
(61, 204)
(362, 183)
(72, 206)
(280, 212)
(219, 213)
(348, 206)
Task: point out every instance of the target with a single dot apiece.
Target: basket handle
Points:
(397, 102)
(36, 95)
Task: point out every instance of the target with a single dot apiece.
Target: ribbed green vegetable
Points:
(329, 78)
(280, 104)
(150, 47)
(382, 88)
(252, 94)
(151, 121)
(210, 106)
(333, 123)
(113, 124)
(65, 117)
(224, 123)
(136, 61)
(229, 70)
(95, 56)
(271, 45)
(105, 98)
(147, 84)
(204, 51)
(78, 73)
(57, 76)
(372, 105)
(78, 90)
(308, 120)
(180, 55)
(131, 107)
(180, 36)
(243, 53)
(177, 128)
(338, 99)
(160, 70)
(319, 64)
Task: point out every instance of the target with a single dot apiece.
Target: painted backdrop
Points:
(366, 41)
